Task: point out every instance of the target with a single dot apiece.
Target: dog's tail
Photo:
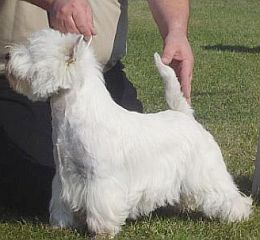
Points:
(174, 96)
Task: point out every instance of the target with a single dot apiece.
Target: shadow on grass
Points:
(197, 94)
(244, 184)
(230, 48)
(178, 213)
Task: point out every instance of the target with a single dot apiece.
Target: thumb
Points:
(168, 53)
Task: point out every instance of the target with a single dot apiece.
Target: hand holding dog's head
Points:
(44, 65)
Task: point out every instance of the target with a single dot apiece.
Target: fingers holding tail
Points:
(173, 94)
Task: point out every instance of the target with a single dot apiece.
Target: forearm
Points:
(171, 16)
(44, 4)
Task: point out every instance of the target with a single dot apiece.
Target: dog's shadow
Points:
(170, 212)
(244, 184)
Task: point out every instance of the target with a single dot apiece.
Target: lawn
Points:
(225, 37)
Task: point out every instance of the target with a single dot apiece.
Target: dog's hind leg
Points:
(225, 202)
(216, 195)
(107, 207)
(174, 96)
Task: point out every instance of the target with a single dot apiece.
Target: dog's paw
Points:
(61, 220)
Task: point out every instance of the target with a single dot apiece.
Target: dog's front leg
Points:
(60, 215)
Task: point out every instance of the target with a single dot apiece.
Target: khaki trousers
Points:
(19, 19)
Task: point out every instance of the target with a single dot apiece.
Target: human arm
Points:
(172, 18)
(73, 16)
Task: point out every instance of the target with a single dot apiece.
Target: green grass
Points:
(225, 38)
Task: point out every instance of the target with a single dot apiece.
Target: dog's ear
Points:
(73, 53)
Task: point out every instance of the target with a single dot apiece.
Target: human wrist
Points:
(44, 4)
(176, 35)
(177, 32)
(47, 4)
(178, 26)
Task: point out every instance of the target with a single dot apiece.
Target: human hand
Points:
(74, 16)
(177, 53)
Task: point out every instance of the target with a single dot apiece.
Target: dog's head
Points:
(45, 64)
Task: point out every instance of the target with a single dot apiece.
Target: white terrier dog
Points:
(112, 164)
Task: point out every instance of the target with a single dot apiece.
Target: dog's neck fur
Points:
(88, 91)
